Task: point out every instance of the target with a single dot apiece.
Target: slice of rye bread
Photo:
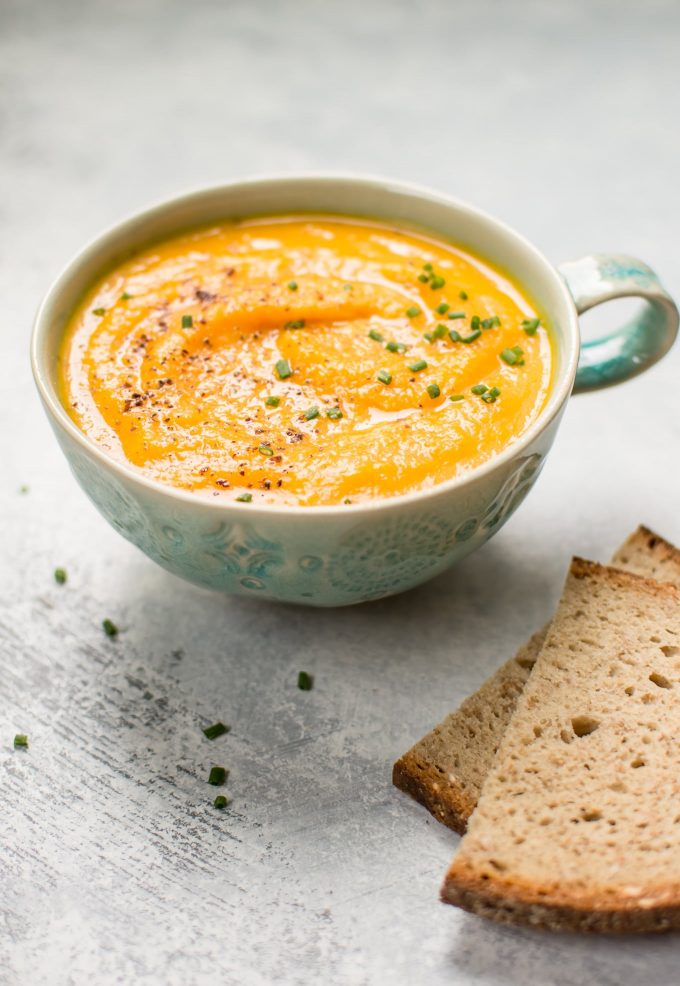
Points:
(445, 770)
(578, 823)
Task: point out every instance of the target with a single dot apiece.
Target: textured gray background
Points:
(559, 116)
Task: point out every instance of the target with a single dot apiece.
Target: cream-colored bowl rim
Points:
(560, 388)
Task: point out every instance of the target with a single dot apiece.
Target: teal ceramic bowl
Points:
(335, 556)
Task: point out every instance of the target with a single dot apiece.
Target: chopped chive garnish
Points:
(217, 729)
(110, 628)
(424, 278)
(454, 336)
(334, 413)
(245, 498)
(433, 391)
(479, 388)
(348, 287)
(20, 741)
(413, 311)
(530, 325)
(428, 336)
(472, 336)
(463, 295)
(395, 347)
(490, 396)
(265, 449)
(347, 500)
(420, 364)
(60, 576)
(384, 376)
(283, 369)
(311, 413)
(217, 776)
(513, 356)
(428, 267)
(273, 401)
(375, 335)
(305, 681)
(442, 309)
(221, 801)
(456, 314)
(187, 321)
(475, 322)
(125, 296)
(457, 397)
(490, 323)
(99, 311)
(292, 285)
(440, 331)
(297, 323)
(437, 282)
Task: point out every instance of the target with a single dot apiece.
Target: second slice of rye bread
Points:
(446, 769)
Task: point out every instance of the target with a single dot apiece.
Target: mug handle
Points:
(639, 343)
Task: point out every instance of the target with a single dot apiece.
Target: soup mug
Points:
(338, 555)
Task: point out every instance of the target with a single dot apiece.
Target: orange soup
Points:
(305, 360)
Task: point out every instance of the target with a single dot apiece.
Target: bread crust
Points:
(447, 802)
(581, 568)
(555, 908)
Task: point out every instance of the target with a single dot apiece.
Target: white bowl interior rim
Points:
(399, 203)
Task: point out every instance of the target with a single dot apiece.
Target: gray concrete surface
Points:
(561, 117)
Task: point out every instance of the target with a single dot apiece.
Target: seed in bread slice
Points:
(446, 769)
(578, 823)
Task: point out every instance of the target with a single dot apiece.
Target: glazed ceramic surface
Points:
(333, 556)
